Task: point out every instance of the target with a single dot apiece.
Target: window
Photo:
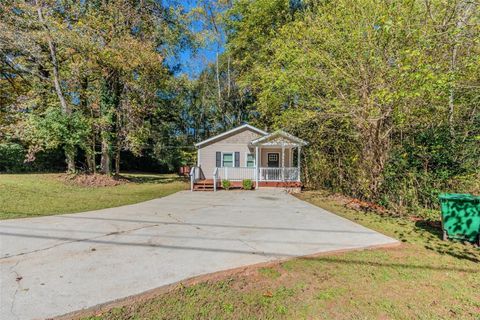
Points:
(227, 160)
(273, 157)
(250, 160)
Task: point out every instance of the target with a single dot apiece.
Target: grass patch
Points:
(32, 195)
(269, 273)
(330, 293)
(425, 278)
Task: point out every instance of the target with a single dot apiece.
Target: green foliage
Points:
(54, 129)
(112, 81)
(11, 157)
(247, 184)
(372, 87)
(226, 184)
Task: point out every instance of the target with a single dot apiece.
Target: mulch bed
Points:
(93, 180)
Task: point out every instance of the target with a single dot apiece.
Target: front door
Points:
(273, 160)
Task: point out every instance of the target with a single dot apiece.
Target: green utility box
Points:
(460, 216)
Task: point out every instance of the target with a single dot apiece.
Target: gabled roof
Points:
(279, 133)
(237, 129)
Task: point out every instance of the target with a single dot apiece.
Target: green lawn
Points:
(424, 278)
(31, 195)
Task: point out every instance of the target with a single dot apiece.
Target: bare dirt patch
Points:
(92, 180)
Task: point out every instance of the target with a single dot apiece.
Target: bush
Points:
(11, 157)
(226, 184)
(247, 184)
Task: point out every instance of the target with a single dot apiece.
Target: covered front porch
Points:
(274, 161)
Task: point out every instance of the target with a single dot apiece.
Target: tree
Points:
(31, 51)
(363, 81)
(104, 60)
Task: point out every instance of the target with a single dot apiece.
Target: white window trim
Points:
(246, 159)
(233, 159)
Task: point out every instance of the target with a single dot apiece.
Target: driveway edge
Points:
(153, 293)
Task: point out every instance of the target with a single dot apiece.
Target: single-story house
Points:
(247, 152)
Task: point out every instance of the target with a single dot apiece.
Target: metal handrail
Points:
(215, 177)
(196, 174)
(192, 177)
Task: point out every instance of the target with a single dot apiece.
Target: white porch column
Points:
(283, 162)
(257, 166)
(299, 150)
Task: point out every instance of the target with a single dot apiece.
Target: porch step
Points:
(202, 188)
(205, 181)
(203, 185)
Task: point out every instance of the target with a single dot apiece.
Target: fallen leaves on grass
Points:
(92, 180)
(268, 294)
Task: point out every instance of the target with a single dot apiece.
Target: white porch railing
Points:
(265, 174)
(236, 173)
(279, 174)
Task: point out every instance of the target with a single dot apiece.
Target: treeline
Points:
(90, 78)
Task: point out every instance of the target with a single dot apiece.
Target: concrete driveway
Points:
(56, 265)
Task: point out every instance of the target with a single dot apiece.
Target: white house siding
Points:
(236, 142)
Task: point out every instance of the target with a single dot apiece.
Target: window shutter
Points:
(218, 158)
(237, 159)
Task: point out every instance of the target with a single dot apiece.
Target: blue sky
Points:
(193, 63)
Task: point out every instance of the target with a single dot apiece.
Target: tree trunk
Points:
(464, 8)
(229, 84)
(217, 76)
(117, 161)
(90, 155)
(94, 154)
(53, 57)
(70, 154)
(109, 104)
(70, 160)
(105, 167)
(90, 163)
